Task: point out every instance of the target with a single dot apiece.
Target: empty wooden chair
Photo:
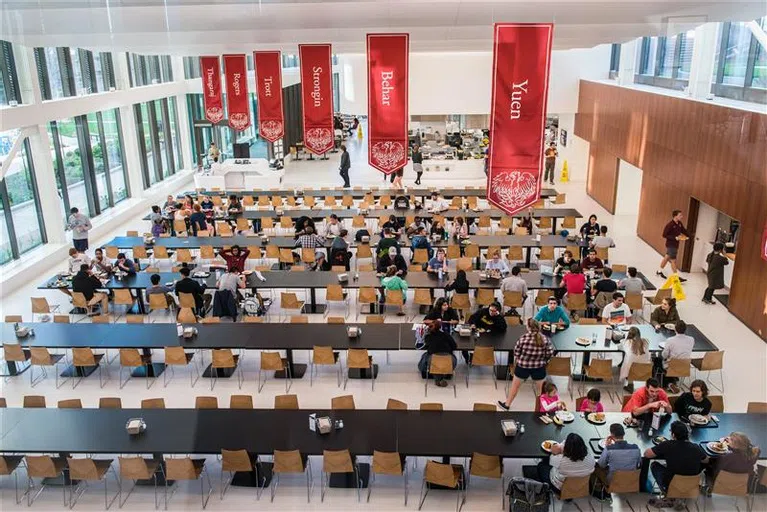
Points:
(71, 403)
(388, 463)
(287, 462)
(483, 356)
(710, 362)
(110, 403)
(14, 353)
(153, 403)
(367, 297)
(176, 356)
(240, 402)
(323, 356)
(345, 402)
(187, 469)
(8, 465)
(33, 402)
(395, 405)
(40, 306)
(480, 407)
(131, 359)
(757, 408)
(338, 461)
(487, 466)
(359, 359)
(286, 402)
(289, 302)
(139, 468)
(43, 467)
(485, 297)
(679, 368)
(234, 461)
(560, 367)
(223, 360)
(430, 406)
(601, 369)
(83, 359)
(272, 361)
(639, 372)
(451, 476)
(84, 471)
(440, 364)
(206, 402)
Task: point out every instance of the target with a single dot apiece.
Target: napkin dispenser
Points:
(365, 239)
(135, 426)
(189, 332)
(22, 332)
(464, 331)
(482, 277)
(509, 428)
(343, 278)
(280, 211)
(353, 331)
(323, 425)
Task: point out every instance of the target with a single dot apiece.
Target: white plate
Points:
(670, 327)
(543, 447)
(698, 419)
(591, 418)
(714, 447)
(565, 415)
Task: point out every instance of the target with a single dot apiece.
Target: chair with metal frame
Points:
(367, 296)
(486, 466)
(82, 358)
(622, 482)
(287, 402)
(224, 359)
(338, 461)
(71, 403)
(678, 368)
(85, 470)
(106, 402)
(451, 476)
(342, 403)
(440, 364)
(240, 402)
(388, 463)
(139, 468)
(233, 461)
(206, 402)
(395, 405)
(710, 362)
(273, 361)
(560, 367)
(33, 402)
(8, 466)
(323, 356)
(600, 369)
(131, 359)
(291, 461)
(186, 468)
(15, 353)
(335, 293)
(40, 306)
(43, 467)
(358, 358)
(483, 356)
(177, 356)
(574, 488)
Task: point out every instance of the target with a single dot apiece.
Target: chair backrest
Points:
(600, 368)
(40, 356)
(364, 251)
(253, 319)
(134, 468)
(660, 295)
(186, 316)
(387, 463)
(61, 319)
(83, 356)
(422, 297)
(431, 406)
(79, 300)
(13, 352)
(678, 368)
(222, 358)
(40, 305)
(634, 301)
(323, 355)
(440, 474)
(575, 487)
(289, 300)
(625, 481)
(345, 402)
(271, 361)
(335, 320)
(757, 408)
(485, 296)
(512, 299)
(357, 358)
(731, 484)
(288, 461)
(480, 407)
(180, 469)
(487, 466)
(684, 486)
(717, 403)
(153, 403)
(206, 402)
(240, 402)
(367, 296)
(158, 301)
(71, 403)
(337, 461)
(460, 301)
(712, 361)
(334, 292)
(34, 402)
(483, 356)
(41, 466)
(286, 402)
(395, 405)
(110, 403)
(559, 367)
(175, 356)
(130, 357)
(546, 253)
(299, 319)
(640, 372)
(576, 301)
(235, 460)
(465, 263)
(441, 364)
(374, 319)
(83, 469)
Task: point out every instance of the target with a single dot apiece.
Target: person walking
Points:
(345, 165)
(417, 157)
(715, 273)
(80, 224)
(551, 162)
(673, 232)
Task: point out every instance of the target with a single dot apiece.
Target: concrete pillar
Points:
(184, 135)
(703, 56)
(50, 202)
(26, 69)
(628, 62)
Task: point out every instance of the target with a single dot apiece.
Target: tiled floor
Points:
(745, 361)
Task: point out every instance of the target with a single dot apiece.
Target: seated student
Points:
(392, 224)
(678, 346)
(437, 341)
(188, 285)
(646, 400)
(489, 319)
(234, 206)
(235, 258)
(332, 227)
(592, 402)
(421, 241)
(602, 240)
(86, 283)
(514, 283)
(460, 284)
(232, 281)
(159, 289)
(309, 239)
(437, 203)
(170, 204)
(549, 399)
(320, 262)
(571, 458)
(636, 349)
(460, 228)
(574, 283)
(339, 250)
(632, 284)
(618, 455)
(605, 284)
(392, 282)
(616, 313)
(664, 314)
(389, 258)
(124, 264)
(694, 401)
(564, 263)
(496, 265)
(591, 262)
(197, 221)
(437, 263)
(552, 313)
(527, 222)
(302, 223)
(387, 240)
(76, 260)
(740, 459)
(444, 313)
(437, 229)
(415, 226)
(682, 458)
(206, 204)
(100, 263)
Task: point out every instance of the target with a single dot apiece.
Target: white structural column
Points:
(183, 134)
(703, 56)
(25, 70)
(128, 123)
(628, 62)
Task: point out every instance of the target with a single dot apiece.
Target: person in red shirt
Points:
(235, 258)
(575, 281)
(673, 232)
(648, 400)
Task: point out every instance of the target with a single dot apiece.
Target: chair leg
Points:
(423, 494)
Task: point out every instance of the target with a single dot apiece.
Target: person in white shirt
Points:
(514, 283)
(602, 240)
(76, 260)
(332, 227)
(678, 346)
(497, 265)
(437, 203)
(616, 313)
(571, 458)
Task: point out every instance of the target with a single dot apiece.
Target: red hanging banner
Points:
(237, 101)
(271, 123)
(210, 69)
(317, 97)
(521, 57)
(388, 101)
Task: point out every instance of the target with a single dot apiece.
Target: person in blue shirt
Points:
(437, 262)
(421, 241)
(124, 264)
(553, 313)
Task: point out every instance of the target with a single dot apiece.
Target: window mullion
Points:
(9, 220)
(750, 63)
(154, 135)
(105, 159)
(35, 192)
(65, 68)
(142, 145)
(86, 158)
(59, 164)
(168, 138)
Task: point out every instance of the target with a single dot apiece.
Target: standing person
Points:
(213, 151)
(588, 231)
(417, 157)
(715, 273)
(551, 162)
(346, 164)
(397, 178)
(80, 224)
(531, 355)
(673, 232)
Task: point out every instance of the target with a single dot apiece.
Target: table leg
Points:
(553, 225)
(528, 257)
(140, 302)
(153, 370)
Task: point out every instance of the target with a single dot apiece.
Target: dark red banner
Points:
(237, 101)
(521, 57)
(271, 122)
(210, 71)
(387, 101)
(317, 96)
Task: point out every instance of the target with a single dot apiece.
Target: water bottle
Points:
(440, 274)
(522, 428)
(593, 338)
(538, 238)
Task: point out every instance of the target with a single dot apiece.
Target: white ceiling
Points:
(195, 27)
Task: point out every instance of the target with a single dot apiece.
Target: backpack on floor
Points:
(520, 501)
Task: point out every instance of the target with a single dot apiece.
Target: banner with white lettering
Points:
(210, 71)
(388, 101)
(271, 124)
(521, 58)
(237, 100)
(317, 97)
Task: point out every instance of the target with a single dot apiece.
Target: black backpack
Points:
(360, 233)
(402, 202)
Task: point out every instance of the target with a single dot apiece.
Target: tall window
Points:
(156, 127)
(22, 223)
(9, 80)
(191, 67)
(175, 134)
(149, 69)
(665, 61)
(65, 72)
(615, 59)
(741, 64)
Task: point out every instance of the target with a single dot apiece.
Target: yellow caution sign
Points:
(675, 284)
(565, 177)
(359, 131)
